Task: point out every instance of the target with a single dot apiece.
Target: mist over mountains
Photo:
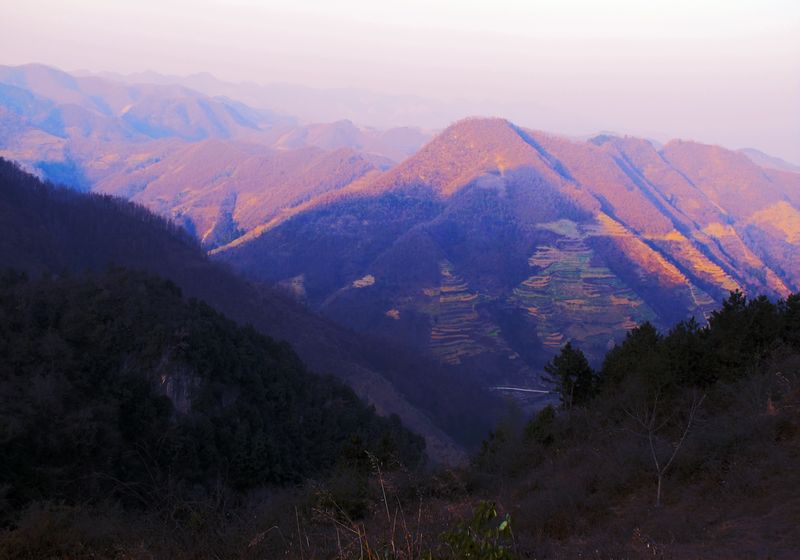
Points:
(257, 321)
(310, 104)
(487, 246)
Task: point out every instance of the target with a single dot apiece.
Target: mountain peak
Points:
(464, 151)
(35, 75)
(478, 124)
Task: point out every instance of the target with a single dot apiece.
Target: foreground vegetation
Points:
(682, 445)
(113, 387)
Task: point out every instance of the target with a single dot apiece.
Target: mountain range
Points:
(309, 104)
(243, 320)
(182, 153)
(496, 244)
(487, 246)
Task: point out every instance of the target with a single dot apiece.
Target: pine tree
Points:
(574, 379)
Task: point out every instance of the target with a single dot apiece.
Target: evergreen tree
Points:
(114, 386)
(637, 356)
(575, 380)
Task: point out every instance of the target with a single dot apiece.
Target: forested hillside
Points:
(47, 229)
(683, 445)
(115, 387)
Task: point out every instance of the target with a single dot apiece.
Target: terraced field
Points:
(459, 331)
(456, 321)
(494, 245)
(572, 297)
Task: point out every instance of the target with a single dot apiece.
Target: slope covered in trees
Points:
(114, 386)
(682, 445)
(43, 229)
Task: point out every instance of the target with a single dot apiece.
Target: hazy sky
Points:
(721, 71)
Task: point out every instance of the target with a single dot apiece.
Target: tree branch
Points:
(696, 403)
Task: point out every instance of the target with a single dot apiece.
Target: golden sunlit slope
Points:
(729, 179)
(78, 130)
(626, 178)
(710, 251)
(233, 185)
(85, 108)
(759, 208)
(614, 186)
(463, 152)
(215, 165)
(673, 221)
(544, 239)
(466, 151)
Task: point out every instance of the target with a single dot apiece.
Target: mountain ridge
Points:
(508, 219)
(49, 229)
(500, 220)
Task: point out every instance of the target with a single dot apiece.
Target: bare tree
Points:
(651, 421)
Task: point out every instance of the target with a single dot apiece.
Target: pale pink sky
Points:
(720, 71)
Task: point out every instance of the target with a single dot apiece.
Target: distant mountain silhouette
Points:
(310, 104)
(213, 164)
(395, 143)
(494, 244)
(220, 189)
(771, 162)
(131, 112)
